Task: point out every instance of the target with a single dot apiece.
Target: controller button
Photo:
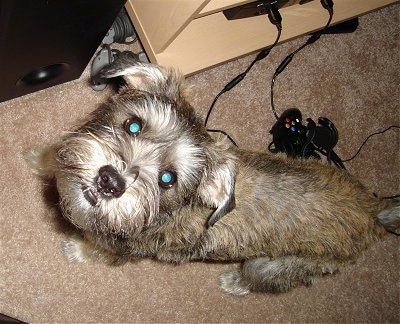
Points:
(293, 129)
(287, 119)
(287, 125)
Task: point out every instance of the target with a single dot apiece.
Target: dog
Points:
(142, 177)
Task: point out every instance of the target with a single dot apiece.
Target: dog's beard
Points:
(86, 207)
(127, 214)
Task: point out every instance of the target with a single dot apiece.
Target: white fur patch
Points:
(73, 248)
(188, 159)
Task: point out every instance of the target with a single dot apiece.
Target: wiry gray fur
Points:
(288, 221)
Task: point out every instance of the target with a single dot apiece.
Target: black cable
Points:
(333, 157)
(225, 133)
(328, 5)
(366, 140)
(212, 106)
(272, 97)
(362, 145)
(123, 28)
(275, 18)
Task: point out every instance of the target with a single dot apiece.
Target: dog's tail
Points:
(390, 217)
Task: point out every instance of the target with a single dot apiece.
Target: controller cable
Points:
(328, 5)
(366, 140)
(362, 145)
(276, 19)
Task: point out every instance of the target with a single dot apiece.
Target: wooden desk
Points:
(193, 35)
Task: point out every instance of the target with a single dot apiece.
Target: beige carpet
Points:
(351, 79)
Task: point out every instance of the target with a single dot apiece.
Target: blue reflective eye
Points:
(167, 179)
(133, 125)
(134, 128)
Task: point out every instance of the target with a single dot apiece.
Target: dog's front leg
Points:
(78, 249)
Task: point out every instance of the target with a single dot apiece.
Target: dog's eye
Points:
(133, 125)
(167, 179)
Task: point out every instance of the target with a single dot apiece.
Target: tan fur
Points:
(287, 220)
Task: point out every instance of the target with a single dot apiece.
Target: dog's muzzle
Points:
(110, 183)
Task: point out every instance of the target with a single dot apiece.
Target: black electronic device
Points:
(257, 8)
(44, 43)
(290, 136)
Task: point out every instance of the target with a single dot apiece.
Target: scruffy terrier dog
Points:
(143, 178)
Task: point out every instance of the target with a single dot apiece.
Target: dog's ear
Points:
(217, 188)
(41, 161)
(145, 76)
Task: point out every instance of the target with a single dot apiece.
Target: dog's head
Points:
(139, 157)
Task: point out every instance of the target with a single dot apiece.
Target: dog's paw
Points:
(73, 249)
(78, 249)
(390, 219)
(40, 161)
(233, 283)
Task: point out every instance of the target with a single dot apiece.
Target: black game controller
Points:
(290, 136)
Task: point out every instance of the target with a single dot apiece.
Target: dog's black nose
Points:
(109, 182)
